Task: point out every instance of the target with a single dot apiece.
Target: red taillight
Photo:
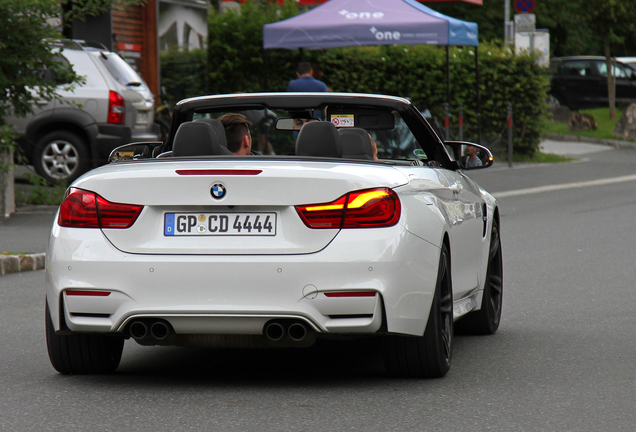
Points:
(116, 108)
(83, 209)
(370, 208)
(87, 293)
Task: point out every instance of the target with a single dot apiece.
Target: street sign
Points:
(524, 6)
(525, 23)
(537, 41)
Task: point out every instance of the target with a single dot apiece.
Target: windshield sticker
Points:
(342, 120)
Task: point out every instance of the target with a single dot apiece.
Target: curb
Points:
(17, 263)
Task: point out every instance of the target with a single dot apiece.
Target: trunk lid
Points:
(182, 216)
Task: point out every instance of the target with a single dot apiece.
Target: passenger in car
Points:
(237, 132)
(374, 146)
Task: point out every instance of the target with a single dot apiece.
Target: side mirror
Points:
(469, 156)
(141, 150)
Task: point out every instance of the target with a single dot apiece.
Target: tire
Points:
(81, 354)
(430, 355)
(61, 156)
(485, 321)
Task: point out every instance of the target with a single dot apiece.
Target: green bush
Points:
(236, 62)
(419, 73)
(183, 74)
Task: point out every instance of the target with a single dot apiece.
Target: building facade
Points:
(139, 33)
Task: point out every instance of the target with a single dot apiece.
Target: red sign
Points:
(524, 6)
(128, 47)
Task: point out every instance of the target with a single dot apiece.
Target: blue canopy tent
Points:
(344, 23)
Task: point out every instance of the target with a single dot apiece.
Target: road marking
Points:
(563, 186)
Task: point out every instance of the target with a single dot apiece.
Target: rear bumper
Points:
(208, 294)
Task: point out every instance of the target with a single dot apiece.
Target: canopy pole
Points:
(448, 78)
(266, 84)
(478, 94)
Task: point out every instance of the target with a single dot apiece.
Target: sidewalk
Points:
(566, 148)
(25, 235)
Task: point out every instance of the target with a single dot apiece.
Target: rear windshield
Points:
(121, 71)
(393, 140)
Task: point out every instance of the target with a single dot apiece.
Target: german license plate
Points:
(235, 224)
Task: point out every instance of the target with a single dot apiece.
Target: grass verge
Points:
(541, 158)
(605, 126)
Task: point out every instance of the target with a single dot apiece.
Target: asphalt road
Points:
(563, 359)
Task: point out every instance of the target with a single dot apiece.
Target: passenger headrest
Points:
(198, 139)
(356, 143)
(319, 139)
(218, 128)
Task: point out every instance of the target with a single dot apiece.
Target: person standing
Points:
(305, 81)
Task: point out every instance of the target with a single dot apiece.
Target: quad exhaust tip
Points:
(158, 330)
(277, 330)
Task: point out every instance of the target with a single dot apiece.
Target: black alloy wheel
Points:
(80, 354)
(430, 355)
(485, 321)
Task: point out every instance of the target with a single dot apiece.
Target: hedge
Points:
(236, 62)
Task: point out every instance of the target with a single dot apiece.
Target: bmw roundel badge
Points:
(217, 191)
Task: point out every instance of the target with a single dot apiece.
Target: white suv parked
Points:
(113, 107)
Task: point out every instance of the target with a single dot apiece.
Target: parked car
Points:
(581, 82)
(630, 61)
(186, 244)
(66, 137)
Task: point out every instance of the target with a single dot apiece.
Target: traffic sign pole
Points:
(507, 22)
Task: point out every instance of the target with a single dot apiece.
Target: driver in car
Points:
(237, 133)
(471, 157)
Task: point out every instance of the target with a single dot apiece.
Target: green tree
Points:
(567, 21)
(489, 16)
(613, 22)
(235, 49)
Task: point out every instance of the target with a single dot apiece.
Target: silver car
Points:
(68, 136)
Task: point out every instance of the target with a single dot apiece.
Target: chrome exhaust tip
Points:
(297, 332)
(274, 331)
(138, 329)
(160, 330)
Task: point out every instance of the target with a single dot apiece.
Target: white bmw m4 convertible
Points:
(363, 224)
